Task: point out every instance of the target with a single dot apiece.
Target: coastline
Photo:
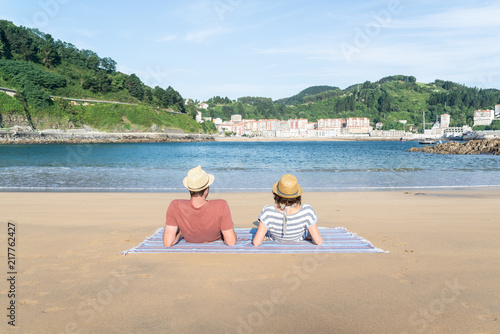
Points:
(439, 275)
(86, 137)
(95, 137)
(340, 138)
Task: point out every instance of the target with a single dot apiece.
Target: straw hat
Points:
(197, 179)
(287, 187)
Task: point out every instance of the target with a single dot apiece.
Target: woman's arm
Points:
(260, 235)
(315, 235)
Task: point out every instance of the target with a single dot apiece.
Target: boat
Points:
(426, 141)
(470, 135)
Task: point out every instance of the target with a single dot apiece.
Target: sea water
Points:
(239, 166)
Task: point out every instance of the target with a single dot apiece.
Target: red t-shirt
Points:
(202, 224)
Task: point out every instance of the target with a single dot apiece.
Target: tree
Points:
(35, 96)
(148, 95)
(495, 125)
(103, 82)
(227, 111)
(160, 96)
(108, 64)
(191, 111)
(134, 86)
(384, 102)
(174, 99)
(118, 82)
(93, 62)
(48, 53)
(2, 50)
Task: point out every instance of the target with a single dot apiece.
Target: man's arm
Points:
(171, 235)
(229, 237)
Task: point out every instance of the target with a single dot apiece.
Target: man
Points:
(197, 219)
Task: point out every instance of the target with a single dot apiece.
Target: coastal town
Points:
(350, 127)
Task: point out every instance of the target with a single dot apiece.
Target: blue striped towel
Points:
(335, 240)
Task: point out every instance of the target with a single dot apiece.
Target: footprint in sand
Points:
(29, 283)
(401, 275)
(143, 275)
(52, 309)
(470, 305)
(28, 302)
(486, 317)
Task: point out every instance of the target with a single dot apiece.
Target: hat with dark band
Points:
(287, 187)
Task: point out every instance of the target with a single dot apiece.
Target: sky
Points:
(275, 49)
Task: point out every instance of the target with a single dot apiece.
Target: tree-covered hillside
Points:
(303, 96)
(388, 100)
(39, 67)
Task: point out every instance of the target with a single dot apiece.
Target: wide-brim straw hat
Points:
(287, 187)
(197, 179)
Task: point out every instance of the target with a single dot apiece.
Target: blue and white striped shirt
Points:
(297, 224)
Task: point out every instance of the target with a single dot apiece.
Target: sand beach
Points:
(440, 275)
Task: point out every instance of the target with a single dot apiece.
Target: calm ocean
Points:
(238, 166)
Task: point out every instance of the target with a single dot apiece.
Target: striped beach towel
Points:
(335, 240)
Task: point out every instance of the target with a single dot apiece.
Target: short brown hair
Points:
(287, 201)
(197, 193)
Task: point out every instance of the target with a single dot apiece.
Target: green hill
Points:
(388, 100)
(37, 66)
(303, 96)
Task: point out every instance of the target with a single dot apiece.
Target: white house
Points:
(235, 118)
(483, 117)
(445, 121)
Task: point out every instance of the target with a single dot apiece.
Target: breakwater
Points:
(62, 137)
(488, 146)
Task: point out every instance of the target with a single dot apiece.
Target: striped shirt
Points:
(297, 224)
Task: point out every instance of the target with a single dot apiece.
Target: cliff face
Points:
(488, 146)
(11, 120)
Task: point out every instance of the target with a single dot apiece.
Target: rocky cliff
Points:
(488, 146)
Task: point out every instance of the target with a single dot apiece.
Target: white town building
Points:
(483, 117)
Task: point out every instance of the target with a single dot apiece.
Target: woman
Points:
(288, 220)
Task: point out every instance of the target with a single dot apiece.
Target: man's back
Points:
(203, 224)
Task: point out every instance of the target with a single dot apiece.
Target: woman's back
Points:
(296, 223)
